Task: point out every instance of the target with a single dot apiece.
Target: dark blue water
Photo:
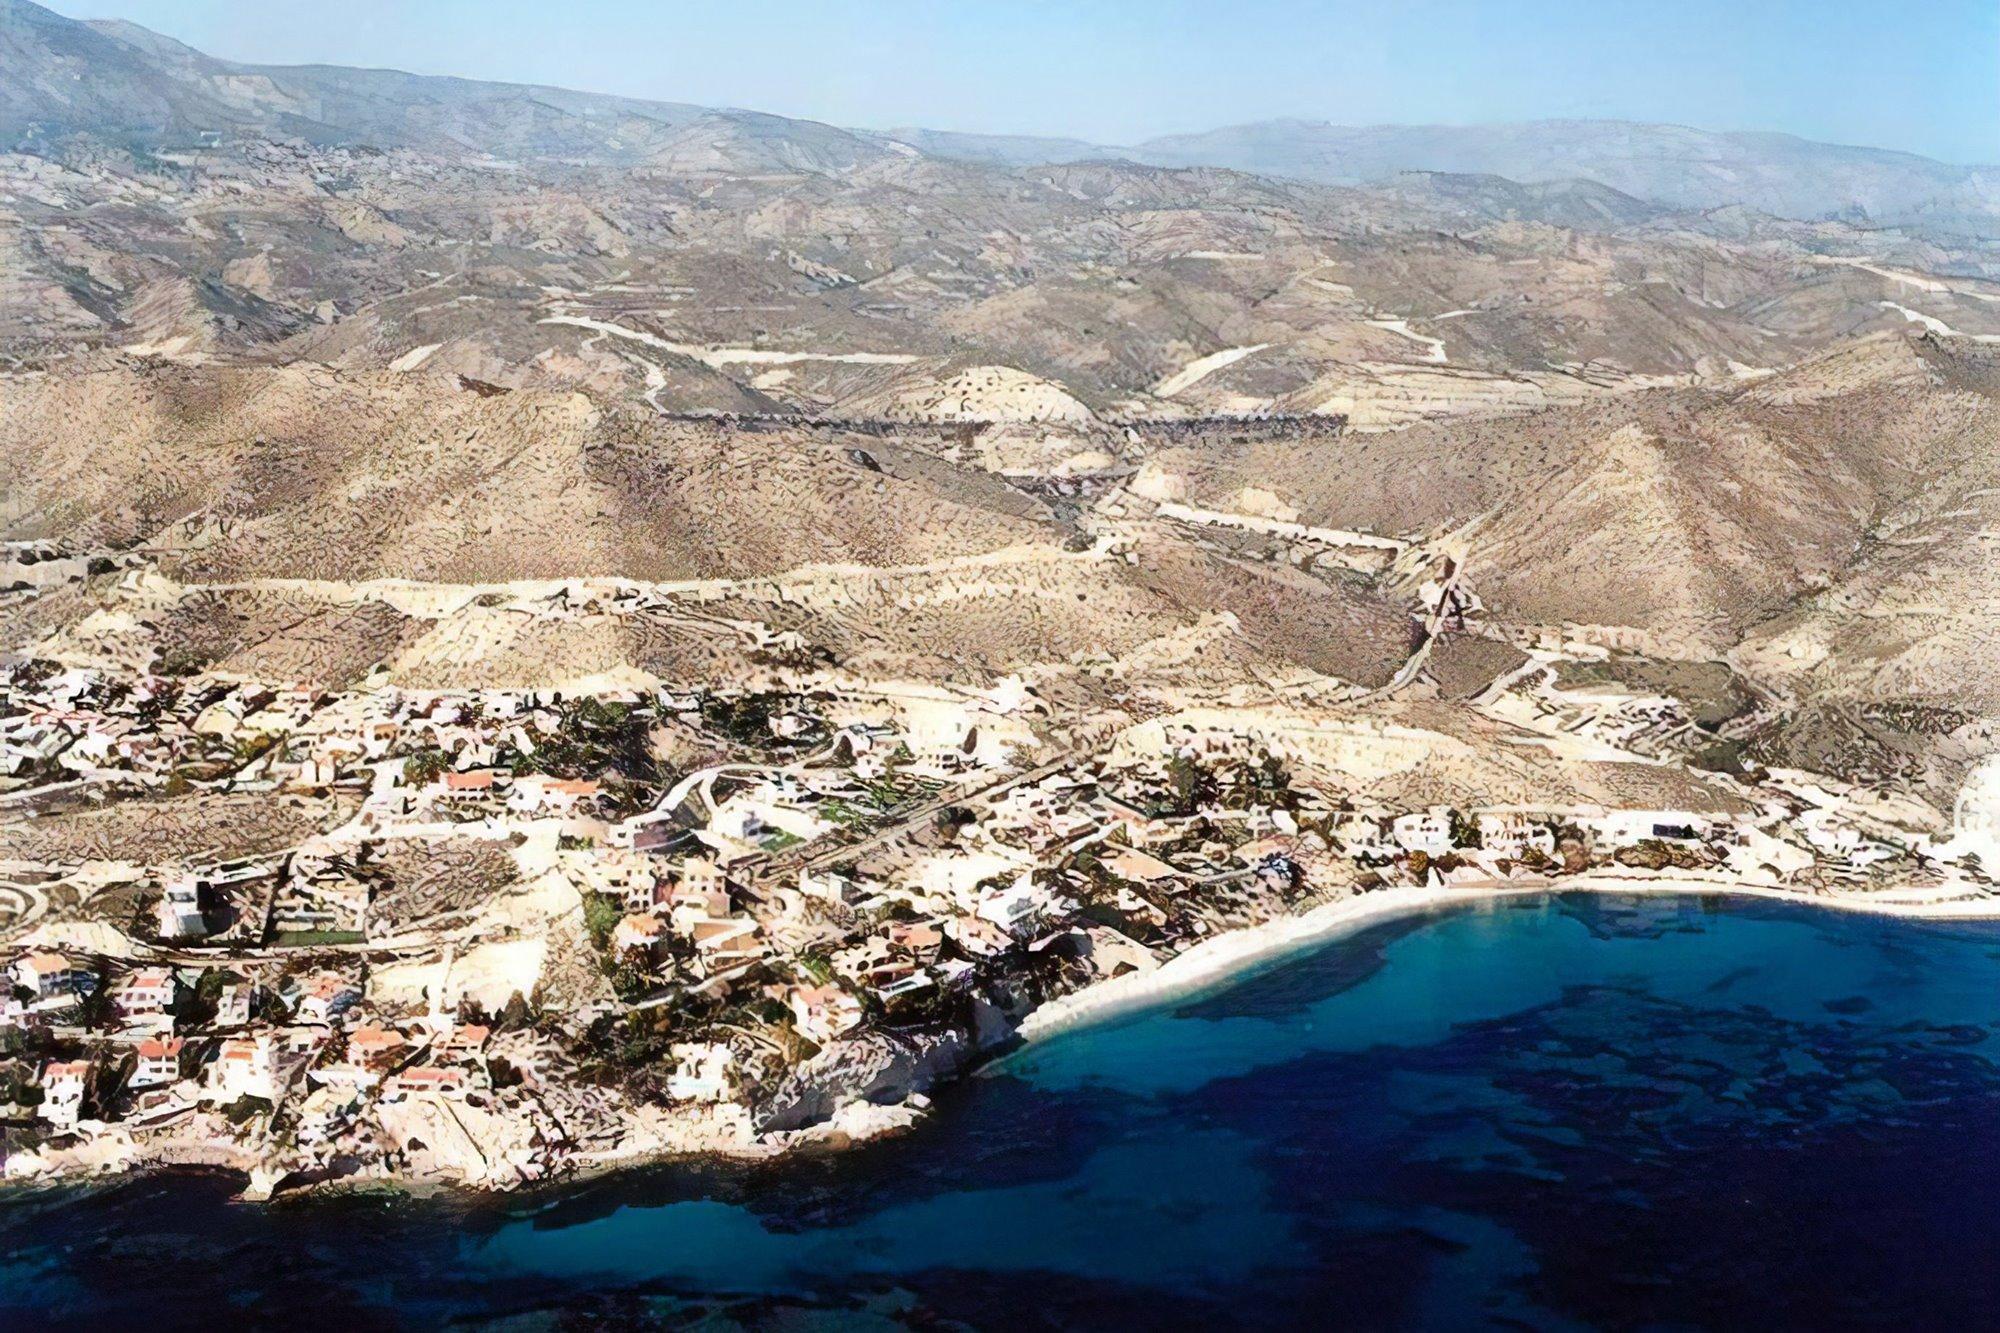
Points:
(1580, 1112)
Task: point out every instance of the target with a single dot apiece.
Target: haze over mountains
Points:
(115, 79)
(1666, 164)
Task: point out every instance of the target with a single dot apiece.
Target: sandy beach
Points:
(1217, 960)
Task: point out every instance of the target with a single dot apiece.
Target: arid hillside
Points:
(358, 377)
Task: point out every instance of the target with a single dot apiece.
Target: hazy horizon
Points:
(1117, 72)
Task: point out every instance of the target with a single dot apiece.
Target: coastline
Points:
(1208, 965)
(1220, 959)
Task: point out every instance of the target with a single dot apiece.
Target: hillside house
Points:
(1513, 835)
(1428, 831)
(325, 997)
(63, 1086)
(537, 793)
(702, 1072)
(919, 939)
(52, 978)
(1615, 829)
(376, 1047)
(641, 933)
(978, 936)
(1362, 835)
(145, 994)
(245, 1067)
(233, 1003)
(426, 1080)
(477, 784)
(159, 1062)
(179, 915)
(833, 887)
(1141, 826)
(725, 942)
(822, 1013)
(1015, 906)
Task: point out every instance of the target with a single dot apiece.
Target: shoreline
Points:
(1209, 965)
(1220, 959)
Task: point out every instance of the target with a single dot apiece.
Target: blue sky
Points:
(1922, 75)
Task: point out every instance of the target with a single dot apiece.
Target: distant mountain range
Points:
(61, 78)
(1667, 164)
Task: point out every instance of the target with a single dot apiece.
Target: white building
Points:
(821, 1013)
(245, 1067)
(832, 886)
(1428, 832)
(159, 1062)
(1514, 835)
(232, 1004)
(702, 1071)
(63, 1085)
(143, 994)
(1363, 834)
(1011, 907)
(1628, 828)
(52, 977)
(180, 908)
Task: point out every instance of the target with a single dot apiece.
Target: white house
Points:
(320, 768)
(537, 792)
(441, 1082)
(832, 886)
(159, 1062)
(1363, 834)
(976, 935)
(1012, 906)
(180, 908)
(1628, 828)
(701, 1073)
(639, 933)
(51, 976)
(245, 1067)
(1514, 835)
(145, 993)
(1428, 832)
(821, 1013)
(232, 1005)
(740, 820)
(63, 1085)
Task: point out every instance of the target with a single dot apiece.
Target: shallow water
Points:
(1576, 1112)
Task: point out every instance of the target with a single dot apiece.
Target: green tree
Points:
(601, 915)
(423, 767)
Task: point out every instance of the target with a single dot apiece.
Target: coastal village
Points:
(493, 937)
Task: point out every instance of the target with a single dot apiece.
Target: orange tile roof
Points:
(46, 962)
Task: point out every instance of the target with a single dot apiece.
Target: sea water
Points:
(1579, 1111)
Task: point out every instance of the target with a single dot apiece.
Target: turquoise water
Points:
(1566, 1113)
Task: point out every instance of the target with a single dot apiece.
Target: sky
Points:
(1919, 75)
